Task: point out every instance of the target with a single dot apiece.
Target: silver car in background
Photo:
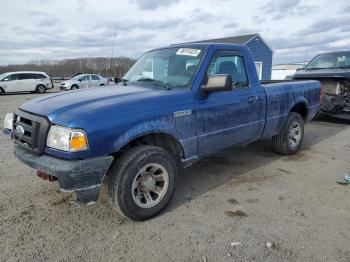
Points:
(84, 81)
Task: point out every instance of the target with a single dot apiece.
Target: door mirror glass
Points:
(218, 83)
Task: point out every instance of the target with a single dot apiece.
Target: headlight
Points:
(8, 121)
(66, 139)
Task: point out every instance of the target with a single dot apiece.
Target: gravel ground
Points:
(250, 195)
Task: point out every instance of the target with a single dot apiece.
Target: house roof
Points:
(240, 40)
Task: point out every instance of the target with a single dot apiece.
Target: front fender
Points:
(142, 129)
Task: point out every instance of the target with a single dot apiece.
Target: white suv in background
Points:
(83, 81)
(25, 81)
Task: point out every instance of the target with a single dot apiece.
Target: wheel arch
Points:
(39, 85)
(301, 108)
(160, 138)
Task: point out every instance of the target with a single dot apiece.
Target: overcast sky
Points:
(57, 29)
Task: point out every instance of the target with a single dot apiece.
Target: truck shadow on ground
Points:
(232, 167)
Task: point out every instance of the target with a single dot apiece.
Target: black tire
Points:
(102, 84)
(2, 91)
(287, 144)
(40, 89)
(127, 168)
(74, 87)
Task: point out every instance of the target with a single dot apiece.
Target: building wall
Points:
(261, 53)
(280, 74)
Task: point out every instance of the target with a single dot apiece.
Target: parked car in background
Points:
(333, 71)
(83, 81)
(25, 81)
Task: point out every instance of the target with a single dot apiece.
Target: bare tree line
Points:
(104, 66)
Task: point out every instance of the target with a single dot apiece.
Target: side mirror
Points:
(218, 83)
(79, 80)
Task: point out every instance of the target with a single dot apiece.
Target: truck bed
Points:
(283, 95)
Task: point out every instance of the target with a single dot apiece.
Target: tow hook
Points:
(46, 176)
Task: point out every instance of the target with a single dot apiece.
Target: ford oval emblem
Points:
(19, 131)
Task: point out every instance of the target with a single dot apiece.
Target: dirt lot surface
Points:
(249, 195)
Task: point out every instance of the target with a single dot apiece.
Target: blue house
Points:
(261, 51)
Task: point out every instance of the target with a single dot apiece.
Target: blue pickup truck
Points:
(174, 106)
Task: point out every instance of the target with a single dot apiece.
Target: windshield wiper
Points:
(339, 67)
(155, 82)
(316, 68)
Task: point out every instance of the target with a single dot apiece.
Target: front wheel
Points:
(74, 87)
(291, 136)
(142, 182)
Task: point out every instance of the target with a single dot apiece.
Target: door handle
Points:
(252, 99)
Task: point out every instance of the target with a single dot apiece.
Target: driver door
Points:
(232, 117)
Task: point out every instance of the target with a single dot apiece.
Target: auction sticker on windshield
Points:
(188, 51)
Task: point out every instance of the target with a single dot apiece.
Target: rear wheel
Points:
(40, 89)
(291, 136)
(2, 91)
(142, 182)
(74, 87)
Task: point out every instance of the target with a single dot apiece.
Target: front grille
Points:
(30, 131)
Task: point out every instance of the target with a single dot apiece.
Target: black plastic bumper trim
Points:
(84, 177)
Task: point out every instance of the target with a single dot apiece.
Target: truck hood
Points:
(68, 108)
(323, 73)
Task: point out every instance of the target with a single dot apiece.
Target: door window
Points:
(85, 78)
(95, 77)
(26, 76)
(230, 64)
(11, 77)
(39, 76)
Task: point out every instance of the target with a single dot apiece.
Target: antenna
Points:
(114, 41)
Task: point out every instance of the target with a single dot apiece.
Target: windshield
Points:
(334, 60)
(174, 67)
